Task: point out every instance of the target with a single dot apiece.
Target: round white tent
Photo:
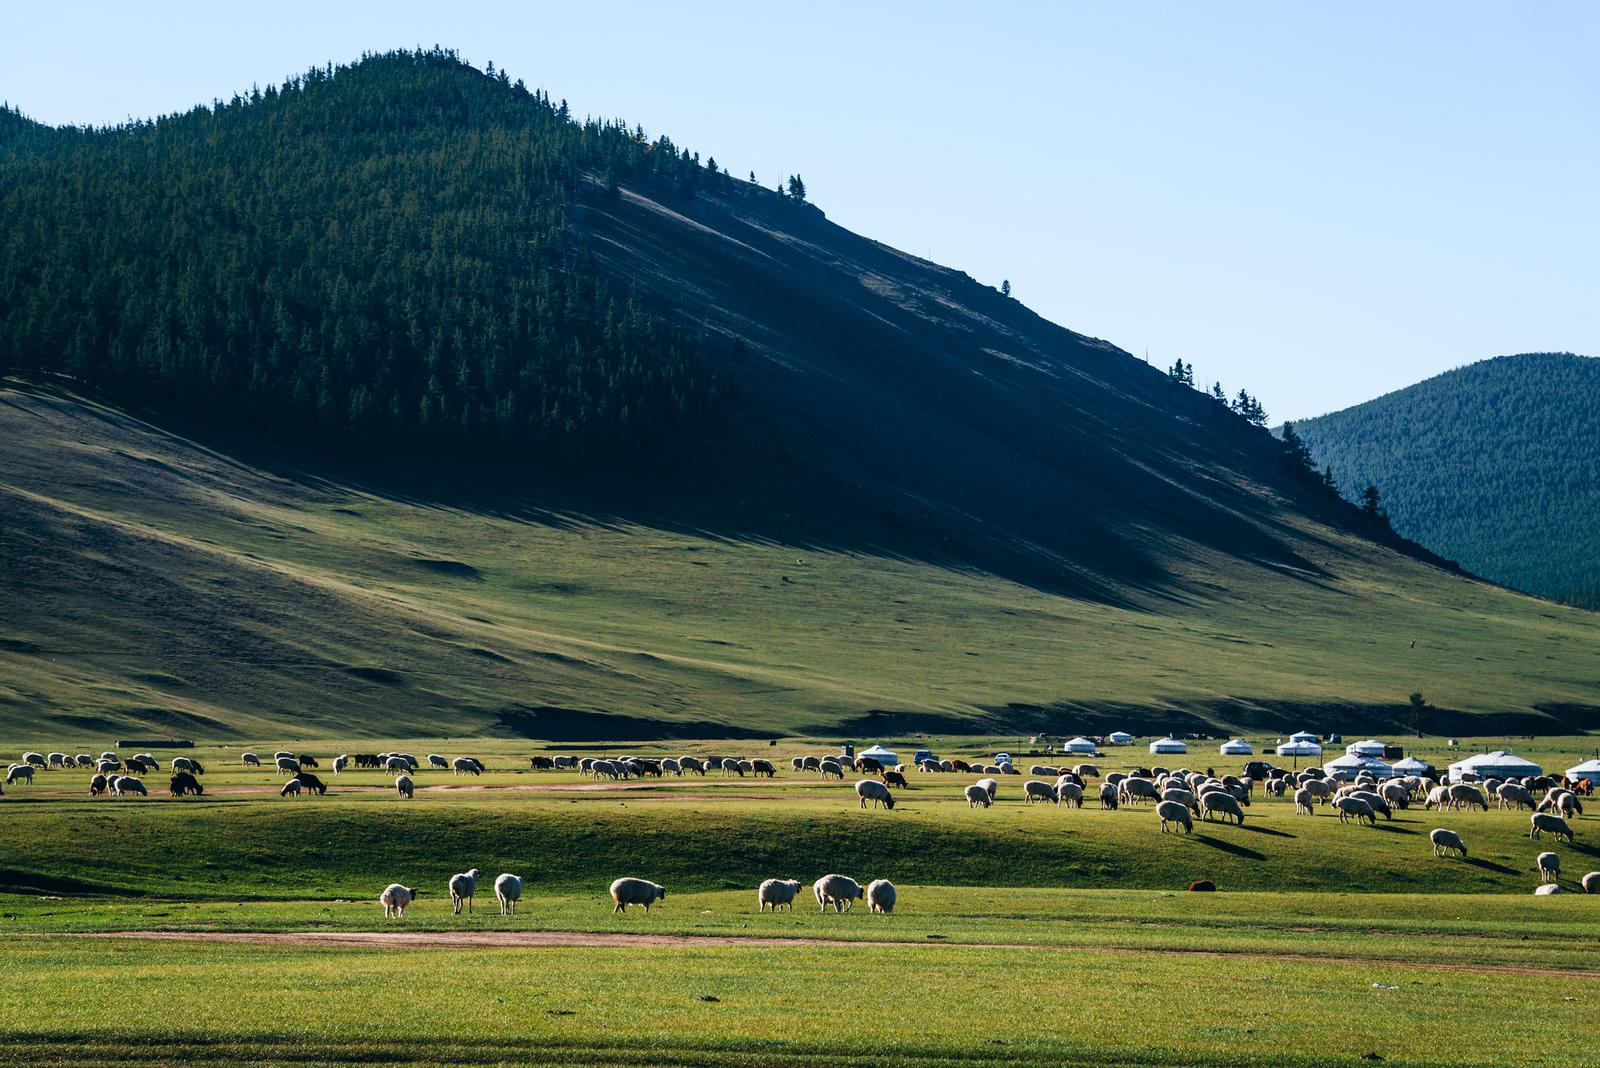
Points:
(1299, 749)
(1168, 745)
(1079, 745)
(1589, 769)
(1349, 766)
(1303, 736)
(1120, 738)
(1411, 766)
(883, 756)
(1369, 748)
(1496, 765)
(1237, 747)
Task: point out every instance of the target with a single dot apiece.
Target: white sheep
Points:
(395, 898)
(1466, 794)
(462, 889)
(1069, 793)
(1108, 795)
(630, 891)
(57, 760)
(404, 786)
(730, 764)
(1038, 790)
(670, 766)
(1174, 812)
(1513, 795)
(467, 765)
(991, 785)
(250, 760)
(395, 763)
(880, 896)
(19, 772)
(288, 765)
(1446, 841)
(777, 893)
(127, 784)
(290, 789)
(1354, 808)
(1544, 889)
(1134, 789)
(874, 791)
(840, 890)
(280, 754)
(508, 891)
(1549, 867)
(1223, 804)
(97, 786)
(564, 761)
(1591, 883)
(1544, 823)
(978, 795)
(437, 760)
(36, 759)
(341, 762)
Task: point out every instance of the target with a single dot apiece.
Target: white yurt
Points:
(1079, 745)
(1369, 748)
(1349, 766)
(1498, 764)
(1237, 747)
(1589, 769)
(1304, 736)
(1120, 738)
(886, 757)
(1412, 766)
(1294, 748)
(1168, 745)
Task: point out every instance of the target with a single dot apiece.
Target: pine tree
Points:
(1181, 373)
(1298, 452)
(1005, 287)
(1219, 394)
(797, 188)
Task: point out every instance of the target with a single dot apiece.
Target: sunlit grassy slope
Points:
(153, 585)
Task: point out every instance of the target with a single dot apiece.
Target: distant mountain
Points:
(1495, 465)
(397, 400)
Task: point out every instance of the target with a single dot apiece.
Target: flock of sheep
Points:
(840, 891)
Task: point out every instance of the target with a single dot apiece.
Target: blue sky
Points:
(1319, 204)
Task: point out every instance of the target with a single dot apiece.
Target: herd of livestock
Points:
(1178, 796)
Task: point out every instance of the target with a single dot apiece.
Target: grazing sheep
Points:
(97, 786)
(629, 891)
(1513, 796)
(978, 795)
(393, 763)
(1567, 803)
(1438, 797)
(880, 896)
(990, 785)
(1395, 795)
(1069, 793)
(187, 764)
(1136, 789)
(1354, 807)
(840, 890)
(290, 789)
(1378, 804)
(671, 766)
(340, 763)
(280, 754)
(896, 778)
(1591, 883)
(1223, 804)
(1549, 867)
(777, 893)
(567, 762)
(36, 759)
(183, 784)
(1446, 841)
(467, 765)
(1108, 796)
(404, 786)
(288, 765)
(765, 767)
(18, 773)
(798, 763)
(730, 764)
(1185, 798)
(462, 889)
(1086, 771)
(1038, 790)
(874, 791)
(311, 784)
(508, 891)
(1545, 889)
(1176, 813)
(1465, 794)
(1043, 769)
(57, 760)
(395, 898)
(127, 784)
(1544, 823)
(250, 760)
(437, 760)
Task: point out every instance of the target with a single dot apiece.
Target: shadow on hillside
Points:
(1230, 848)
(1392, 828)
(1489, 865)
(1255, 828)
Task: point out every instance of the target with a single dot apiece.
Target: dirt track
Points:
(601, 939)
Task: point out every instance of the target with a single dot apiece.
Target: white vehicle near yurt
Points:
(1500, 764)
(1080, 745)
(1119, 738)
(1589, 769)
(1369, 748)
(881, 754)
(1293, 748)
(1168, 745)
(1349, 766)
(1236, 747)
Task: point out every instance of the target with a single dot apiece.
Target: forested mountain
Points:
(554, 428)
(1495, 465)
(380, 254)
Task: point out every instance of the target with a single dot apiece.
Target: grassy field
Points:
(1028, 934)
(341, 608)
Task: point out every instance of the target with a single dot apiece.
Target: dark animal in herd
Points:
(367, 760)
(310, 782)
(184, 783)
(307, 761)
(894, 778)
(541, 763)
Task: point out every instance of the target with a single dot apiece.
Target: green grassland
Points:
(1025, 934)
(158, 588)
